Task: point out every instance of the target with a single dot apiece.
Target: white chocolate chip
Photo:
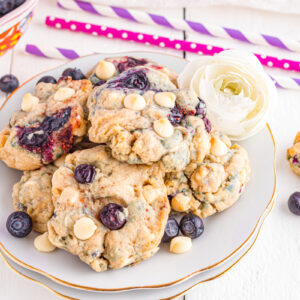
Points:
(181, 202)
(151, 194)
(180, 244)
(29, 102)
(63, 93)
(163, 127)
(84, 228)
(70, 195)
(134, 102)
(42, 243)
(105, 70)
(218, 148)
(165, 99)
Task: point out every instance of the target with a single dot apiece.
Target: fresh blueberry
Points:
(176, 115)
(131, 62)
(191, 226)
(201, 109)
(6, 6)
(112, 216)
(85, 173)
(8, 83)
(75, 73)
(48, 79)
(171, 230)
(294, 203)
(19, 224)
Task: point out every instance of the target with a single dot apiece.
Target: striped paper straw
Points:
(160, 41)
(63, 53)
(180, 24)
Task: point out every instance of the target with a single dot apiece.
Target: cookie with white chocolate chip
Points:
(110, 214)
(143, 118)
(51, 121)
(212, 185)
(113, 66)
(33, 195)
(293, 155)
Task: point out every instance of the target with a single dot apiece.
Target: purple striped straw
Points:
(180, 24)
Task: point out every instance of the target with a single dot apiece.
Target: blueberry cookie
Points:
(113, 66)
(212, 185)
(51, 121)
(33, 195)
(143, 118)
(293, 155)
(110, 214)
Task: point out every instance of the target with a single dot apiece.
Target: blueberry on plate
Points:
(48, 79)
(75, 73)
(171, 230)
(6, 6)
(85, 173)
(294, 203)
(191, 225)
(8, 83)
(19, 224)
(112, 216)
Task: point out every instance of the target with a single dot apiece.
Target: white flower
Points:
(238, 93)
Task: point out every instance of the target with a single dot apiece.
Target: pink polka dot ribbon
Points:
(160, 41)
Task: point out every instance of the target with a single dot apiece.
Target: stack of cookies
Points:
(108, 158)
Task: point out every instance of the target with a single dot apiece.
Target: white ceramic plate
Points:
(170, 292)
(224, 235)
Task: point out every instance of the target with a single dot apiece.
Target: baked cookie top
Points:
(293, 155)
(51, 121)
(113, 66)
(214, 184)
(110, 214)
(143, 118)
(33, 195)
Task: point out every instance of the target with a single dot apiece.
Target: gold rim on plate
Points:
(182, 293)
(63, 282)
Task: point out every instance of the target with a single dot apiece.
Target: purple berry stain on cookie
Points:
(85, 173)
(40, 138)
(131, 62)
(112, 216)
(295, 159)
(201, 109)
(132, 79)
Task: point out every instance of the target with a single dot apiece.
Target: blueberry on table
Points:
(19, 224)
(191, 225)
(6, 6)
(112, 216)
(8, 83)
(171, 230)
(85, 173)
(294, 203)
(48, 79)
(75, 73)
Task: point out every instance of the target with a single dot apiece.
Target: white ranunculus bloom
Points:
(238, 93)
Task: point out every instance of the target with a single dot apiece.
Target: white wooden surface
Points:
(272, 268)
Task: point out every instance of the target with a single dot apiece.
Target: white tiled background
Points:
(272, 268)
